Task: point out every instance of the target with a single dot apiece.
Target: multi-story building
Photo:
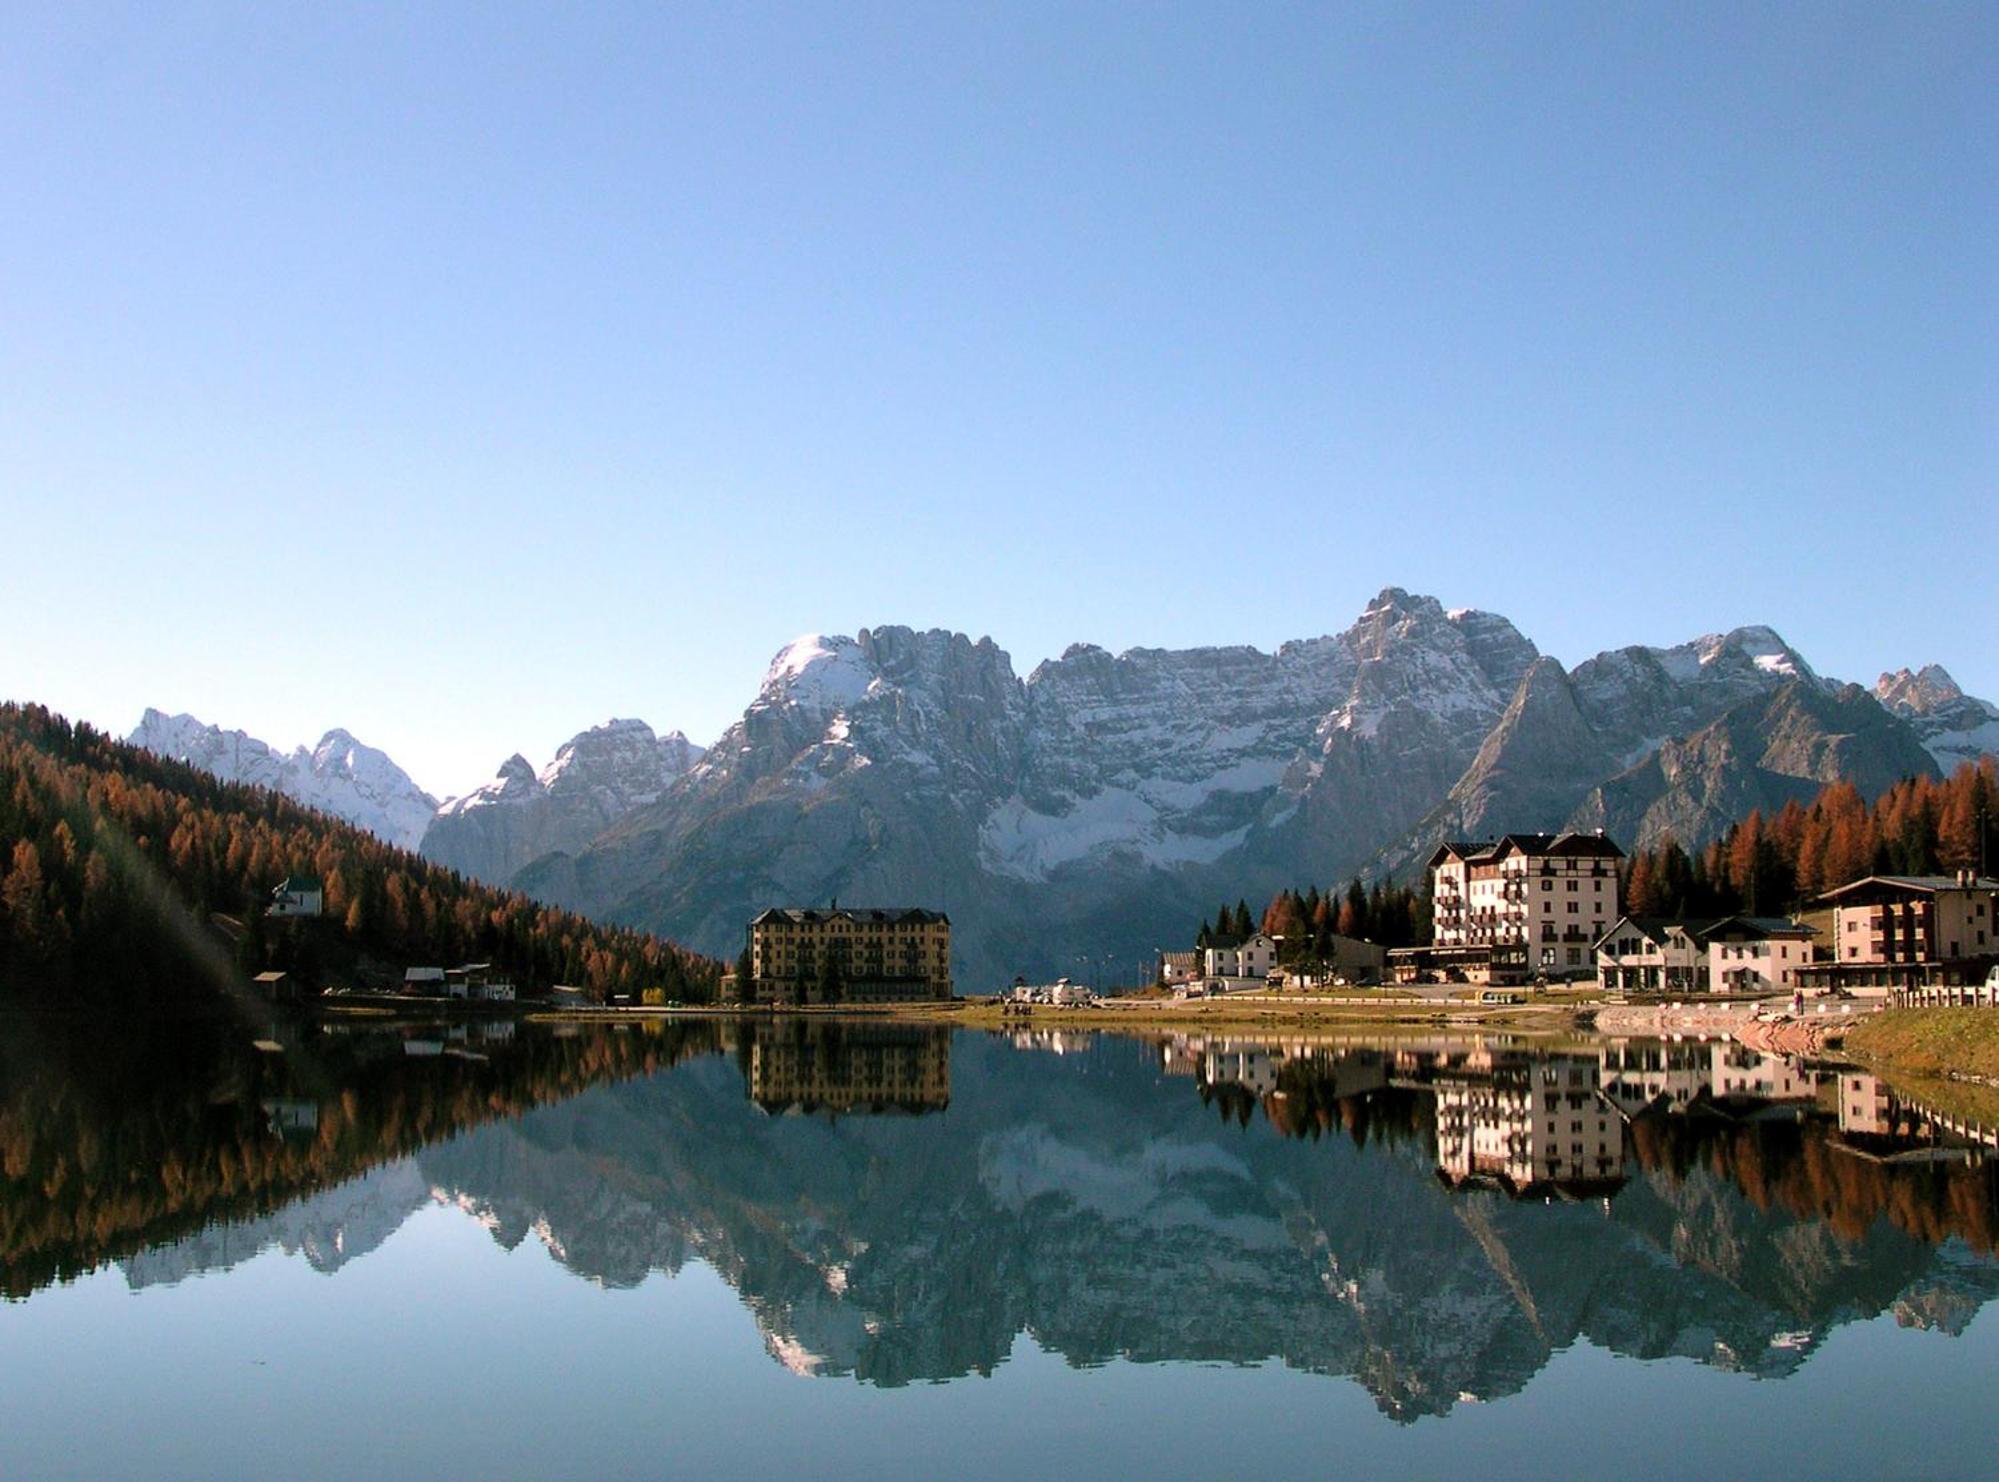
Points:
(1909, 932)
(801, 955)
(1912, 918)
(1520, 906)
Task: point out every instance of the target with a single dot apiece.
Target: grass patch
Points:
(1929, 1043)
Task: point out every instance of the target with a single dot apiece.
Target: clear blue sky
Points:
(466, 375)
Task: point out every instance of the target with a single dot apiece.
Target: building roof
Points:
(297, 885)
(423, 975)
(1759, 927)
(1568, 845)
(1655, 928)
(1911, 885)
(892, 915)
(270, 977)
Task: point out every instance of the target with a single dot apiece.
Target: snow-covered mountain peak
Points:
(1760, 647)
(340, 775)
(818, 670)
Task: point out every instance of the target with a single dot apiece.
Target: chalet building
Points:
(1251, 961)
(477, 982)
(1346, 959)
(800, 955)
(1897, 932)
(1176, 968)
(1735, 954)
(428, 982)
(1756, 954)
(297, 895)
(1514, 908)
(1652, 954)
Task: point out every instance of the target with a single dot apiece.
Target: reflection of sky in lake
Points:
(439, 1351)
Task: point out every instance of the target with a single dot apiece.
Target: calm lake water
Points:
(713, 1249)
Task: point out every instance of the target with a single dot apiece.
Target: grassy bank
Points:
(1217, 1015)
(1933, 1044)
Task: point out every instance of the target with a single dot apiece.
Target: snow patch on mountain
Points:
(818, 671)
(1018, 841)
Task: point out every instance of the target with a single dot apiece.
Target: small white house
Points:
(428, 981)
(1756, 954)
(298, 895)
(1253, 959)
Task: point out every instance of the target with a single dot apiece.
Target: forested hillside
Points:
(1776, 863)
(124, 875)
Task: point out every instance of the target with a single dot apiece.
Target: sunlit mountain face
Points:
(1433, 1220)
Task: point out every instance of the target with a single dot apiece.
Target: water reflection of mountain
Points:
(1101, 1208)
(1419, 1218)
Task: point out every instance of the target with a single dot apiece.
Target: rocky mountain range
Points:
(1103, 802)
(339, 776)
(598, 777)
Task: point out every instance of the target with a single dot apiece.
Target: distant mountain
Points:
(339, 776)
(598, 777)
(1953, 725)
(1104, 801)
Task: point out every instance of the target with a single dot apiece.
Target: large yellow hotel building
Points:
(887, 955)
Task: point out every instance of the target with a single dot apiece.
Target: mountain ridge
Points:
(1099, 801)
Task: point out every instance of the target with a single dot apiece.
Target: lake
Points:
(715, 1248)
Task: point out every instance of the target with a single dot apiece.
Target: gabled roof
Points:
(1656, 928)
(1458, 849)
(1569, 845)
(297, 885)
(1758, 928)
(1911, 885)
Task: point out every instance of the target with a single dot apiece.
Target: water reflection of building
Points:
(1674, 1075)
(1055, 1041)
(840, 1068)
(1528, 1125)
